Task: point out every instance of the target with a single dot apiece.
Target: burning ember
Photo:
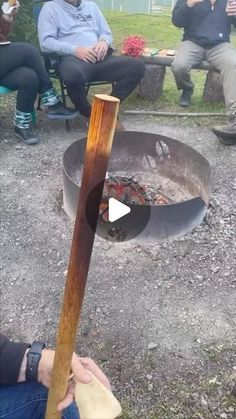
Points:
(128, 190)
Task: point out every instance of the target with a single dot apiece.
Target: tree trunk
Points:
(213, 90)
(151, 85)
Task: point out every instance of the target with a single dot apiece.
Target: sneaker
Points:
(26, 134)
(185, 99)
(226, 133)
(59, 111)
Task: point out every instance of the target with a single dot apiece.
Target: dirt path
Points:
(159, 318)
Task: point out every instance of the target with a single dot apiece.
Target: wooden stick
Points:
(173, 114)
(99, 143)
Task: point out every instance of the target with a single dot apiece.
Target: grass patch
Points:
(158, 31)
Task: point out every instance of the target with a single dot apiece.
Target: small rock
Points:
(18, 147)
(223, 416)
(152, 345)
(231, 409)
(204, 403)
(149, 376)
(150, 387)
(215, 269)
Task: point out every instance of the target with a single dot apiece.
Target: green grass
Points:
(159, 33)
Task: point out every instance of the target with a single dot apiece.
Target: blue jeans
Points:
(28, 401)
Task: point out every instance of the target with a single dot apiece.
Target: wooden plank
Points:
(167, 62)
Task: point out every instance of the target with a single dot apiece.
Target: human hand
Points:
(101, 49)
(86, 54)
(80, 368)
(231, 8)
(10, 8)
(192, 3)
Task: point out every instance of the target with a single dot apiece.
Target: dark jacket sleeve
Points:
(180, 14)
(5, 28)
(11, 356)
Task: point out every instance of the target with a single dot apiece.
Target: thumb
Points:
(83, 376)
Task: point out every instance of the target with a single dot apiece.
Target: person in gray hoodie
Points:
(78, 32)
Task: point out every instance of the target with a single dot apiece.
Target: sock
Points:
(50, 97)
(22, 119)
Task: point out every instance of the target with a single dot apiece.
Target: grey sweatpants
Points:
(222, 57)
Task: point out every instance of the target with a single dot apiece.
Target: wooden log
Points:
(174, 114)
(213, 90)
(151, 85)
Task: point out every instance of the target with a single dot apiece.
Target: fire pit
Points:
(146, 170)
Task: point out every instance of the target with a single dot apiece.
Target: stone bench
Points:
(151, 86)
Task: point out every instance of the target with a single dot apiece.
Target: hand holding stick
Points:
(99, 143)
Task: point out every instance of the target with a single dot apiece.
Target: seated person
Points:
(207, 28)
(21, 69)
(23, 394)
(78, 32)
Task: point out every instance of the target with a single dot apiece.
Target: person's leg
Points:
(124, 72)
(25, 81)
(28, 401)
(22, 54)
(23, 401)
(75, 73)
(187, 55)
(223, 58)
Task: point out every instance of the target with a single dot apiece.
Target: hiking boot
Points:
(26, 135)
(59, 111)
(226, 133)
(185, 99)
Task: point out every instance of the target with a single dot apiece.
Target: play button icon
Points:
(124, 210)
(116, 210)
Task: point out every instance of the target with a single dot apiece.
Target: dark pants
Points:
(124, 72)
(21, 69)
(28, 401)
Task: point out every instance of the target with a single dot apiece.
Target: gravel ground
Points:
(160, 317)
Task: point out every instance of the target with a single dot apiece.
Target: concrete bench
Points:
(151, 86)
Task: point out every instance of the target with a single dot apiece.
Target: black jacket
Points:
(11, 356)
(202, 25)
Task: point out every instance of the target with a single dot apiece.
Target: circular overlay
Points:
(135, 201)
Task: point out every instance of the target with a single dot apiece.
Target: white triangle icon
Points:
(117, 210)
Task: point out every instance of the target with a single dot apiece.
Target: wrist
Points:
(33, 358)
(42, 366)
(104, 40)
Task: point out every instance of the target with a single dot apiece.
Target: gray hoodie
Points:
(63, 27)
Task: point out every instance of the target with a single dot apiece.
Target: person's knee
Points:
(140, 68)
(72, 77)
(137, 68)
(230, 63)
(180, 67)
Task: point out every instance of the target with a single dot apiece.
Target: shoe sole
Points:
(227, 141)
(62, 117)
(184, 105)
(225, 138)
(26, 142)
